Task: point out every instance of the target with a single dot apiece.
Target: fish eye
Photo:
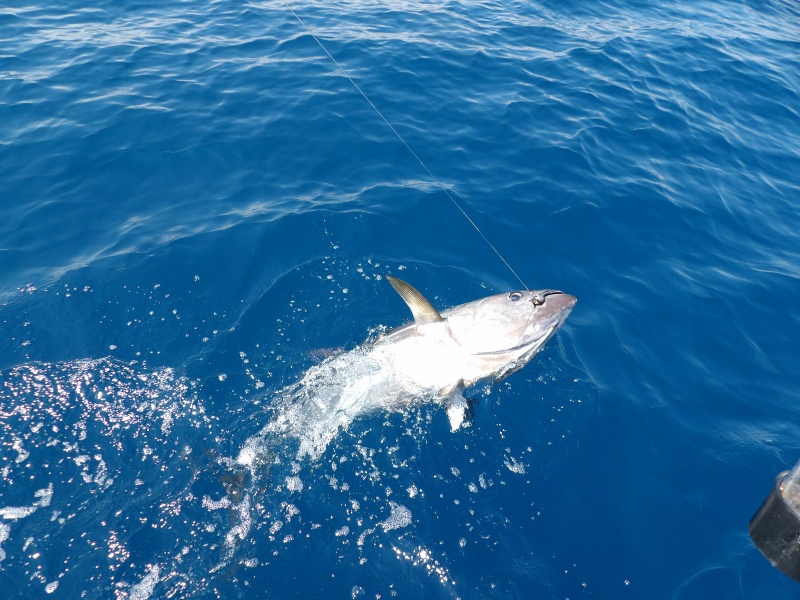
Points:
(515, 296)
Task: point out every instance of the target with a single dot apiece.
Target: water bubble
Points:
(294, 484)
(399, 517)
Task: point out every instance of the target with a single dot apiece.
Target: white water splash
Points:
(78, 423)
(329, 397)
(144, 589)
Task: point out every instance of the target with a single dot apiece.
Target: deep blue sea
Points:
(197, 206)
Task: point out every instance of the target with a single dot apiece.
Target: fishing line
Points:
(400, 137)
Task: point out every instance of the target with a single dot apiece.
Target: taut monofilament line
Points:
(403, 141)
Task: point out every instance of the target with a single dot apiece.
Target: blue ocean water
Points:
(196, 206)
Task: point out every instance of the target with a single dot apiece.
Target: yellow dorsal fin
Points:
(423, 311)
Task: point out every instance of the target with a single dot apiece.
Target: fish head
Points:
(509, 329)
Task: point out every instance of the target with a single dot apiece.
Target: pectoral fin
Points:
(423, 311)
(455, 404)
(456, 411)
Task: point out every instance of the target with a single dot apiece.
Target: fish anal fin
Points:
(423, 311)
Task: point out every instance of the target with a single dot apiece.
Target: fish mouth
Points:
(526, 347)
(555, 304)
